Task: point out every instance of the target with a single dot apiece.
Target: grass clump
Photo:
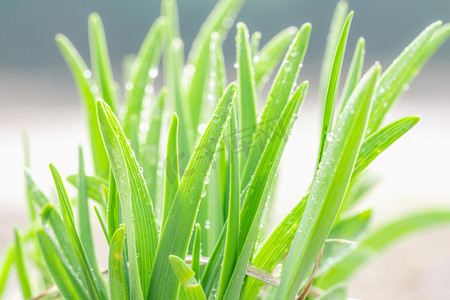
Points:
(219, 169)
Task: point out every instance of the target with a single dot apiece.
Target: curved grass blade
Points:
(186, 277)
(138, 214)
(333, 86)
(84, 222)
(260, 187)
(335, 293)
(90, 272)
(255, 41)
(334, 33)
(246, 94)
(87, 90)
(329, 186)
(100, 62)
(141, 76)
(278, 97)
(219, 20)
(381, 140)
(95, 185)
(150, 150)
(26, 158)
(68, 284)
(180, 221)
(6, 264)
(21, 266)
(232, 234)
(102, 224)
(196, 251)
(270, 55)
(172, 179)
(117, 265)
(379, 240)
(113, 210)
(354, 73)
(401, 72)
(343, 239)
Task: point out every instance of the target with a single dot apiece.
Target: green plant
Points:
(222, 182)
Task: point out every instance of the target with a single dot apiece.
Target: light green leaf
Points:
(21, 266)
(255, 41)
(246, 94)
(333, 86)
(117, 266)
(329, 186)
(196, 251)
(102, 224)
(100, 62)
(335, 293)
(379, 240)
(90, 272)
(334, 33)
(278, 97)
(381, 140)
(143, 72)
(181, 218)
(172, 179)
(138, 214)
(270, 55)
(87, 89)
(95, 186)
(7, 261)
(401, 72)
(260, 186)
(68, 284)
(84, 221)
(186, 277)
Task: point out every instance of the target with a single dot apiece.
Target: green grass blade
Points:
(275, 248)
(333, 87)
(259, 189)
(95, 185)
(102, 224)
(246, 94)
(176, 95)
(7, 261)
(117, 265)
(220, 20)
(232, 234)
(138, 214)
(172, 179)
(127, 67)
(91, 274)
(255, 41)
(21, 266)
(186, 277)
(113, 210)
(27, 163)
(350, 229)
(196, 251)
(180, 221)
(278, 97)
(401, 72)
(143, 72)
(329, 186)
(100, 62)
(270, 55)
(379, 240)
(68, 284)
(381, 140)
(84, 221)
(150, 150)
(87, 89)
(337, 22)
(354, 73)
(335, 293)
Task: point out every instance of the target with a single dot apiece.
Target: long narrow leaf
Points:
(329, 186)
(21, 266)
(180, 221)
(117, 265)
(186, 277)
(5, 267)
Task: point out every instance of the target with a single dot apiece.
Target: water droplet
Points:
(153, 73)
(201, 128)
(129, 86)
(236, 65)
(405, 87)
(189, 70)
(329, 137)
(207, 224)
(87, 74)
(94, 89)
(149, 89)
(216, 118)
(141, 170)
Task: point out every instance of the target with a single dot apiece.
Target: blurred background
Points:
(37, 95)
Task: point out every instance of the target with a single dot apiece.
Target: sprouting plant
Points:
(187, 221)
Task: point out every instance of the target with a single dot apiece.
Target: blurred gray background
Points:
(37, 94)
